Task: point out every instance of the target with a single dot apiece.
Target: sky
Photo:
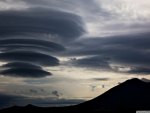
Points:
(64, 52)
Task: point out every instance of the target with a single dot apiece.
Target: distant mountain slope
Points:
(133, 94)
(127, 97)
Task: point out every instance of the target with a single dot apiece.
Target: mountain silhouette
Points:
(129, 96)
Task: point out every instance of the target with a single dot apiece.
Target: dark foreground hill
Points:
(127, 97)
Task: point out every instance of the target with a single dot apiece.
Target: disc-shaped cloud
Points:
(25, 72)
(30, 57)
(20, 65)
(29, 37)
(34, 44)
(65, 26)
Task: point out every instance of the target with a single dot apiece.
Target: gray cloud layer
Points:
(9, 44)
(93, 62)
(21, 65)
(25, 72)
(38, 20)
(30, 56)
(32, 35)
(62, 21)
(23, 69)
(126, 50)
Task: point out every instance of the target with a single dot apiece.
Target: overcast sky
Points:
(49, 49)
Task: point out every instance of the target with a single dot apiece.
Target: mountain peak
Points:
(133, 82)
(131, 94)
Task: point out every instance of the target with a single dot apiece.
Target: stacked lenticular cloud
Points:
(30, 38)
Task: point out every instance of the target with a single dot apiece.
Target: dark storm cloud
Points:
(93, 62)
(100, 45)
(128, 50)
(65, 26)
(30, 57)
(32, 44)
(25, 72)
(31, 35)
(90, 10)
(140, 70)
(20, 65)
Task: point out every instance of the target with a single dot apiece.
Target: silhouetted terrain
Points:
(127, 97)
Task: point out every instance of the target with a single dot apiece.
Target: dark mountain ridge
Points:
(127, 97)
(133, 94)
